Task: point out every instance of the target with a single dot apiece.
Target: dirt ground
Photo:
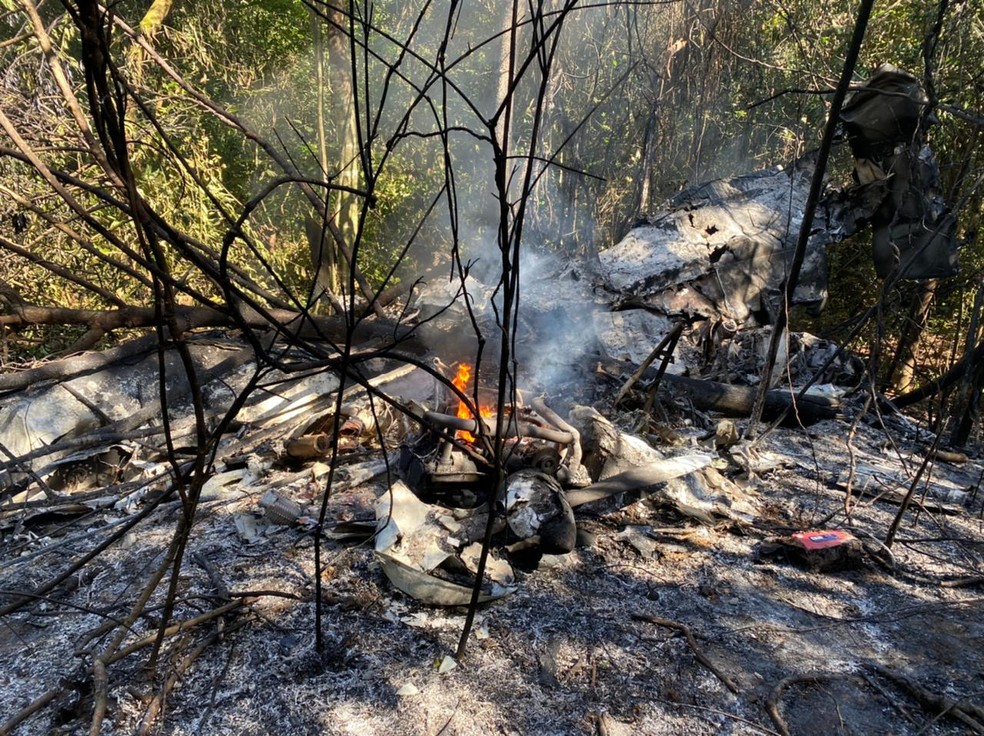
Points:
(655, 624)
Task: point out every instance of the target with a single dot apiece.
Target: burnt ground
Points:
(592, 642)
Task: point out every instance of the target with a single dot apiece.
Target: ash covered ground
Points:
(592, 642)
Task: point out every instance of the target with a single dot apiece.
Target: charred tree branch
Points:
(692, 642)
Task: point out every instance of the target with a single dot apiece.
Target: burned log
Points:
(738, 400)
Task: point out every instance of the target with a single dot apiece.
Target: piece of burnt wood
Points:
(664, 350)
(964, 711)
(694, 647)
(738, 400)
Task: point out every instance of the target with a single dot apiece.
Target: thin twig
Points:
(852, 460)
(698, 653)
(665, 344)
(718, 711)
(176, 629)
(100, 687)
(29, 710)
(939, 704)
(51, 584)
(809, 210)
(772, 704)
(904, 505)
(218, 584)
(157, 702)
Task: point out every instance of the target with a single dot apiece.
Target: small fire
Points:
(460, 382)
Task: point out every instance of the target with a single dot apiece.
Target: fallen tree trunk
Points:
(297, 325)
(76, 365)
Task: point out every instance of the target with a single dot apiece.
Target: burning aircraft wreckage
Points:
(679, 308)
(699, 280)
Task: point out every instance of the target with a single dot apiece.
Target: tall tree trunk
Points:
(503, 94)
(649, 143)
(966, 407)
(903, 366)
(346, 205)
(323, 250)
(968, 412)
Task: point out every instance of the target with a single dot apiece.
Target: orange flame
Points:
(460, 382)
